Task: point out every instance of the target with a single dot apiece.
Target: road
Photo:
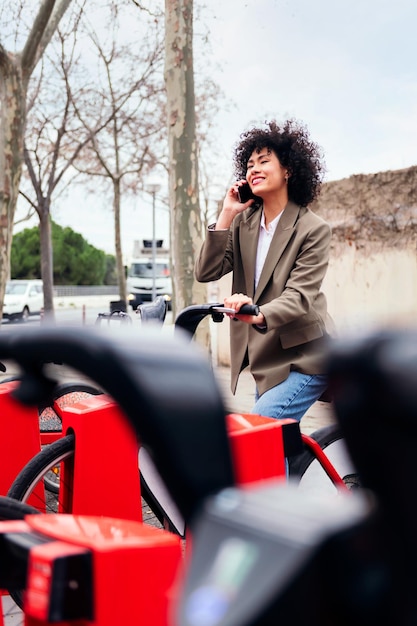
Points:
(72, 311)
(78, 310)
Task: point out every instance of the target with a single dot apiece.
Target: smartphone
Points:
(244, 193)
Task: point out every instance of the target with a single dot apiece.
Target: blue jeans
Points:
(291, 398)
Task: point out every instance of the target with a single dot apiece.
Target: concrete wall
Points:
(365, 290)
(374, 289)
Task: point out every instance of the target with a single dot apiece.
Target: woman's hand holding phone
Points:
(244, 193)
(233, 204)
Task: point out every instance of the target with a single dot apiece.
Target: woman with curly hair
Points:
(278, 251)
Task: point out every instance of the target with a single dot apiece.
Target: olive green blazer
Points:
(288, 292)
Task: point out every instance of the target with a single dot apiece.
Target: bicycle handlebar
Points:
(190, 317)
(245, 309)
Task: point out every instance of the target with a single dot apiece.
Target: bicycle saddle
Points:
(164, 385)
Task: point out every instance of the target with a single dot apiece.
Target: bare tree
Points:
(55, 136)
(52, 142)
(15, 71)
(130, 93)
(183, 152)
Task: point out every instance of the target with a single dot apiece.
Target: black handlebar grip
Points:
(249, 309)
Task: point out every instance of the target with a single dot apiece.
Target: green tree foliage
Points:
(110, 277)
(26, 254)
(75, 261)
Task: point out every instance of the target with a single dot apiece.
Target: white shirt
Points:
(264, 241)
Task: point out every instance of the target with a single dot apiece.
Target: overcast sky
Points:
(348, 70)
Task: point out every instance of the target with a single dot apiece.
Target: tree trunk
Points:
(121, 276)
(183, 174)
(12, 119)
(47, 263)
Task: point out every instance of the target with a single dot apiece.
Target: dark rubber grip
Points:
(248, 309)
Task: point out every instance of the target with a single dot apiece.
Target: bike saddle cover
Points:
(272, 555)
(163, 383)
(373, 381)
(374, 384)
(154, 311)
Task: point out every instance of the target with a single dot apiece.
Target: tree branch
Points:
(44, 26)
(30, 50)
(148, 11)
(31, 203)
(32, 176)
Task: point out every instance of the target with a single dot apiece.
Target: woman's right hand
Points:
(232, 206)
(236, 301)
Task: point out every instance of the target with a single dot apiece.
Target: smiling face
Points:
(265, 174)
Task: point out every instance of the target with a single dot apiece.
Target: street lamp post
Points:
(153, 190)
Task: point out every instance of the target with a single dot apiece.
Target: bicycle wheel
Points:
(30, 482)
(307, 470)
(65, 394)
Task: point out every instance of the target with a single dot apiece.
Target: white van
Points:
(142, 273)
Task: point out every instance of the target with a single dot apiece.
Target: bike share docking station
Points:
(101, 561)
(89, 570)
(20, 436)
(258, 556)
(101, 479)
(78, 567)
(19, 441)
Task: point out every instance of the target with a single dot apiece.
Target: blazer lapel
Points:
(248, 238)
(279, 242)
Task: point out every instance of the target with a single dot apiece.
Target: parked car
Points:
(22, 299)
